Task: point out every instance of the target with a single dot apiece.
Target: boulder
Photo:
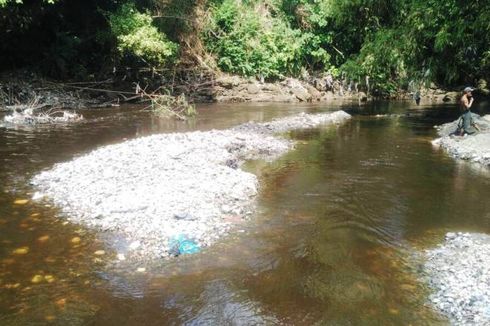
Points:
(313, 92)
(253, 89)
(362, 96)
(297, 89)
(229, 81)
(272, 88)
(320, 84)
(301, 94)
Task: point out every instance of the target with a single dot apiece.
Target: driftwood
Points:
(165, 104)
(32, 113)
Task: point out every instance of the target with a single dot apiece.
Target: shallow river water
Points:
(341, 222)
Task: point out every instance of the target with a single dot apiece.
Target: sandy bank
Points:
(154, 188)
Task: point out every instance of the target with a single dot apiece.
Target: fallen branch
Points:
(31, 114)
(165, 104)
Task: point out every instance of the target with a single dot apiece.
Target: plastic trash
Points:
(182, 245)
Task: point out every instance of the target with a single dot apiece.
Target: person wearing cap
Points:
(466, 124)
(467, 98)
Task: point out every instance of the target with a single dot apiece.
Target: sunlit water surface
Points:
(335, 241)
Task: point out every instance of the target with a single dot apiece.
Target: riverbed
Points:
(334, 240)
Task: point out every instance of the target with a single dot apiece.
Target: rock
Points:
(37, 195)
(320, 84)
(226, 209)
(228, 81)
(315, 94)
(451, 97)
(184, 216)
(21, 251)
(121, 257)
(253, 89)
(43, 238)
(134, 245)
(301, 94)
(208, 91)
(362, 96)
(271, 88)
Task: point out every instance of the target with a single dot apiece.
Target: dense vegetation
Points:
(396, 43)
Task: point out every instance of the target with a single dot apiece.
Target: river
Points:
(340, 224)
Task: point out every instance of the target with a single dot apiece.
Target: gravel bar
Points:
(474, 148)
(155, 188)
(459, 273)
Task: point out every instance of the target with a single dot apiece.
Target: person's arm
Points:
(467, 104)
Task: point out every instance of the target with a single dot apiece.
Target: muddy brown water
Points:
(335, 240)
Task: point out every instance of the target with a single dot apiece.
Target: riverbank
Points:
(21, 89)
(153, 189)
(458, 271)
(473, 148)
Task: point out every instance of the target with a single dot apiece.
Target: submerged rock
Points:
(154, 188)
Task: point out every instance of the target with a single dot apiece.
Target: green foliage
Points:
(387, 67)
(441, 41)
(3, 3)
(249, 40)
(136, 36)
(394, 42)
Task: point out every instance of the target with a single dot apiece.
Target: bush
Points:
(249, 40)
(137, 37)
(387, 67)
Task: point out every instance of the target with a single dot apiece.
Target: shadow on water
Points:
(340, 220)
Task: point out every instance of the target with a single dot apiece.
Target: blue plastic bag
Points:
(182, 245)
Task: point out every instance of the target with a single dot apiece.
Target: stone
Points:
(362, 96)
(253, 89)
(21, 251)
(184, 216)
(228, 81)
(301, 94)
(315, 94)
